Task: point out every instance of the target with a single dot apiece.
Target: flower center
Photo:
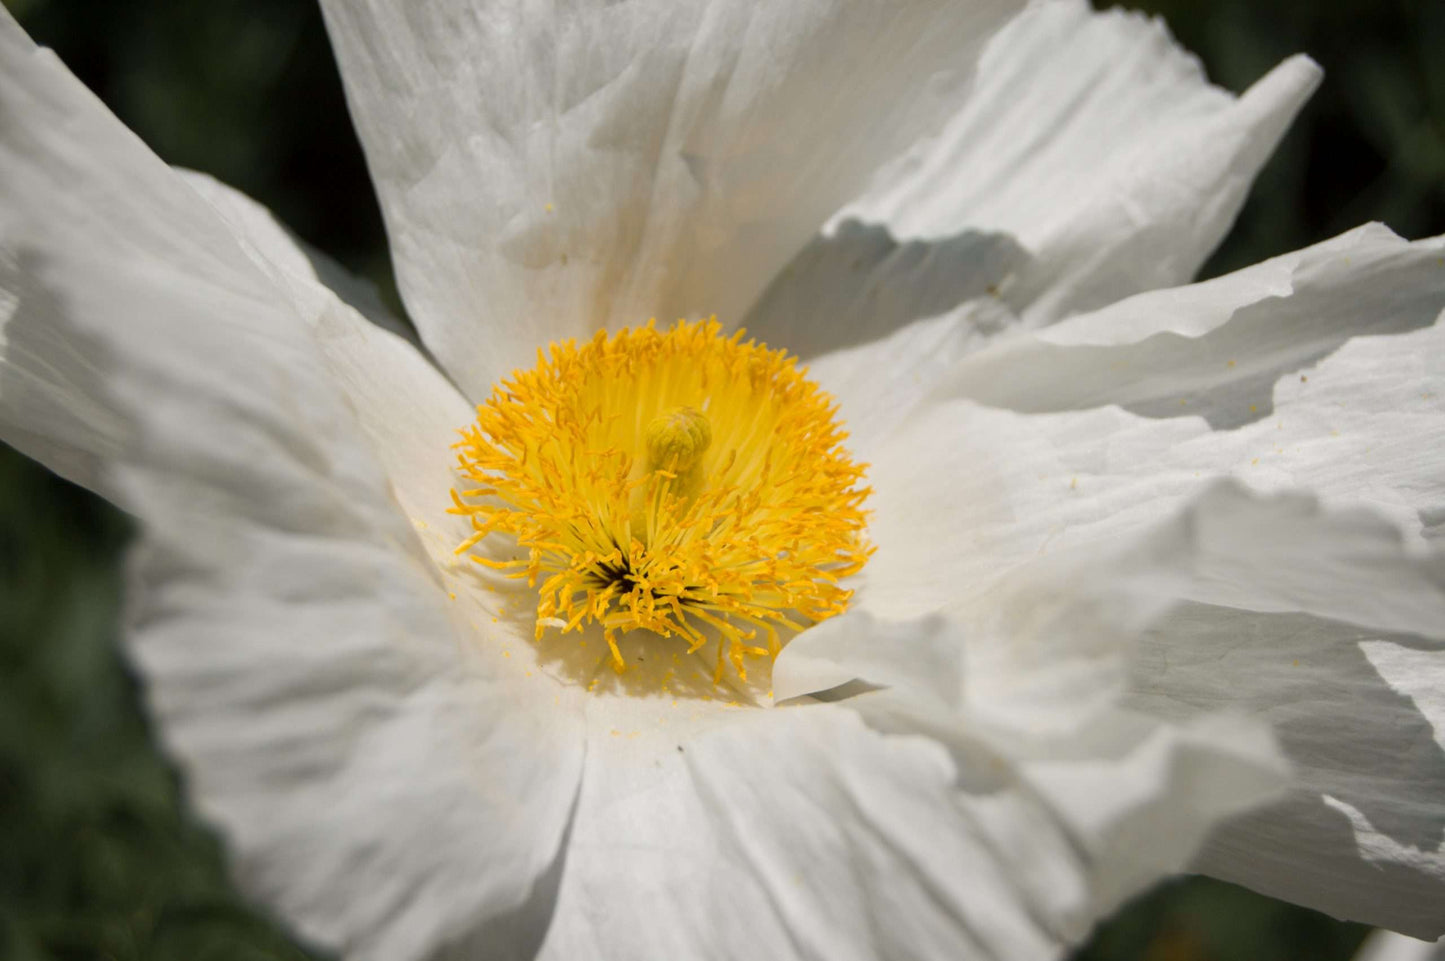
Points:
(681, 482)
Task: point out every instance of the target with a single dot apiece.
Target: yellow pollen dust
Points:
(678, 481)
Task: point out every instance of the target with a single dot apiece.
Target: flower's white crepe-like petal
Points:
(407, 409)
(1077, 613)
(546, 171)
(1089, 138)
(382, 788)
(1360, 719)
(274, 248)
(1134, 796)
(1361, 834)
(1356, 418)
(1095, 141)
(879, 323)
(1389, 946)
(856, 286)
(1282, 351)
(1344, 726)
(804, 833)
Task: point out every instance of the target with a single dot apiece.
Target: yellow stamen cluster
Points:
(676, 481)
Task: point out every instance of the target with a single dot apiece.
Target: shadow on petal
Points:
(1217, 349)
(518, 935)
(1346, 730)
(860, 284)
(657, 667)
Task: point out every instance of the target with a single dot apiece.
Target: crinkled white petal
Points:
(1079, 612)
(877, 383)
(879, 324)
(382, 786)
(857, 285)
(408, 411)
(1337, 350)
(803, 832)
(1053, 460)
(1372, 747)
(1090, 162)
(1096, 142)
(1219, 349)
(546, 172)
(1319, 369)
(274, 248)
(1361, 835)
(1359, 717)
(924, 655)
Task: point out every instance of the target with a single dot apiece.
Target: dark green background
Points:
(99, 857)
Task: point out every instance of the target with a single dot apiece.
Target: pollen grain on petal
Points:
(680, 482)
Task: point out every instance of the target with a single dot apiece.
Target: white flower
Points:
(1071, 637)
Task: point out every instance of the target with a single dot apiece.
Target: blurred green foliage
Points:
(99, 857)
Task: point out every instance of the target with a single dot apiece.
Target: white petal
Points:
(972, 492)
(1292, 353)
(1350, 736)
(801, 833)
(406, 408)
(963, 494)
(1219, 346)
(925, 656)
(1147, 796)
(381, 787)
(544, 173)
(1042, 649)
(1361, 837)
(1077, 613)
(877, 321)
(1049, 464)
(1416, 674)
(274, 247)
(858, 284)
(1388, 946)
(1282, 554)
(1094, 141)
(1358, 418)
